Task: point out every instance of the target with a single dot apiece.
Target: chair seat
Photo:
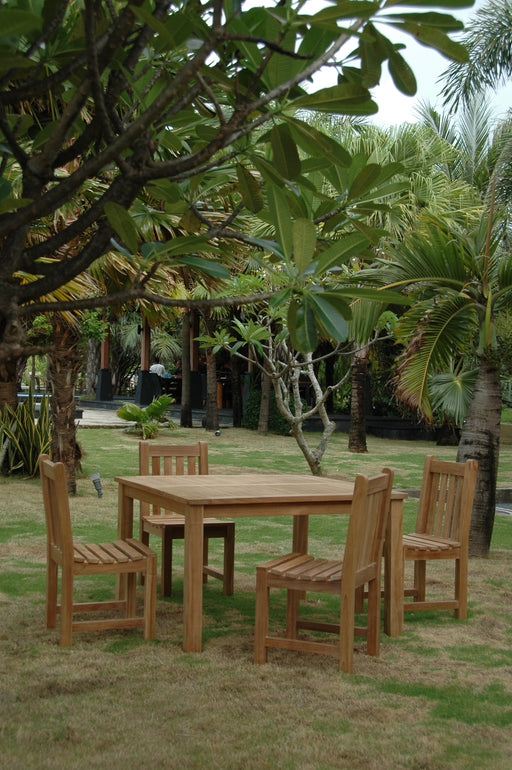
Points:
(440, 547)
(121, 552)
(299, 566)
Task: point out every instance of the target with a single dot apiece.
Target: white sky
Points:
(427, 65)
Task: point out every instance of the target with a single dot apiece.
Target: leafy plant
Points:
(148, 419)
(23, 437)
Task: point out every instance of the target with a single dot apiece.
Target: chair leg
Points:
(373, 628)
(66, 610)
(461, 587)
(292, 613)
(150, 600)
(166, 565)
(205, 557)
(347, 632)
(229, 561)
(420, 570)
(144, 538)
(131, 580)
(52, 576)
(261, 616)
(359, 606)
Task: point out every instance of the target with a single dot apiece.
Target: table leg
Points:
(124, 530)
(193, 580)
(300, 534)
(394, 571)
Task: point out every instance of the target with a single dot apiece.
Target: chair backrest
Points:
(446, 498)
(169, 459)
(366, 529)
(56, 507)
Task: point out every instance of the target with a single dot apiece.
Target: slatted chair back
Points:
(365, 536)
(446, 499)
(168, 460)
(56, 508)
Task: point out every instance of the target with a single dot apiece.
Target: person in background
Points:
(157, 368)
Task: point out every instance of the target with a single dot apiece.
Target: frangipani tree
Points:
(157, 98)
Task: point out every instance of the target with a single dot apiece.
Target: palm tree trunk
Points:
(263, 421)
(63, 368)
(357, 432)
(186, 399)
(480, 439)
(212, 412)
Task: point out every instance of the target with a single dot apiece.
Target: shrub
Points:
(23, 437)
(276, 422)
(147, 419)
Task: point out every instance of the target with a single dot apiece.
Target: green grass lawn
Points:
(438, 697)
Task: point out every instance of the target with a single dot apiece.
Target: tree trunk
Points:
(236, 392)
(63, 368)
(212, 412)
(186, 401)
(357, 432)
(266, 384)
(92, 366)
(480, 439)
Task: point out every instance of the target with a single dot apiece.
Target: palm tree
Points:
(459, 280)
(488, 37)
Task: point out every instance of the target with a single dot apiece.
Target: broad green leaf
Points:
(281, 218)
(434, 38)
(329, 317)
(266, 245)
(304, 243)
(123, 224)
(10, 203)
(364, 181)
(342, 99)
(341, 251)
(190, 222)
(284, 150)
(16, 22)
(249, 189)
(191, 244)
(206, 266)
(301, 325)
(402, 74)
(316, 143)
(267, 171)
(349, 9)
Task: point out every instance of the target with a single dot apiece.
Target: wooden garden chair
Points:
(299, 573)
(73, 558)
(155, 459)
(442, 530)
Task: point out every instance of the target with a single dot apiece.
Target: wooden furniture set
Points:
(200, 501)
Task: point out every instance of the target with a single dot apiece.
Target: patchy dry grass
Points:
(438, 697)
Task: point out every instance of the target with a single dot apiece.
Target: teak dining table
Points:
(300, 496)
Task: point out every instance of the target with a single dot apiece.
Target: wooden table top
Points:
(246, 488)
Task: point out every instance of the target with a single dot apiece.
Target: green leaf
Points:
(342, 99)
(364, 180)
(123, 224)
(285, 154)
(402, 74)
(304, 243)
(249, 189)
(267, 171)
(316, 143)
(281, 218)
(341, 251)
(206, 266)
(434, 38)
(301, 325)
(328, 315)
(15, 22)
